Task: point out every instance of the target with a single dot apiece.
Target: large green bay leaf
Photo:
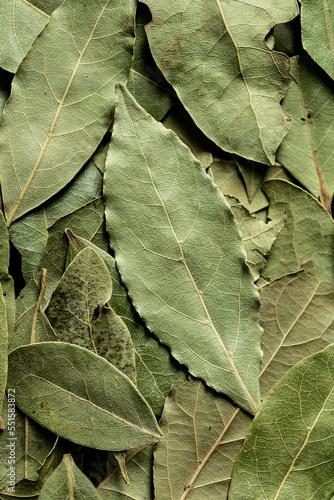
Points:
(317, 22)
(180, 254)
(308, 233)
(291, 437)
(80, 396)
(298, 320)
(20, 24)
(308, 148)
(66, 88)
(224, 74)
(68, 482)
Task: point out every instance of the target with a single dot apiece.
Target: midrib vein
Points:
(53, 124)
(130, 424)
(289, 330)
(241, 72)
(69, 471)
(303, 446)
(210, 322)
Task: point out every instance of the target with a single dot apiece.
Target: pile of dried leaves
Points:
(167, 178)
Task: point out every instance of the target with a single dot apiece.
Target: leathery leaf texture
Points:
(180, 254)
(80, 396)
(223, 72)
(62, 99)
(288, 452)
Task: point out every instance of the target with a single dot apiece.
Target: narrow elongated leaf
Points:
(20, 24)
(80, 396)
(317, 20)
(29, 234)
(140, 472)
(308, 234)
(308, 148)
(72, 68)
(146, 82)
(224, 74)
(68, 482)
(177, 275)
(292, 437)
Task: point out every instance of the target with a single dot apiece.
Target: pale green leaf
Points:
(140, 471)
(308, 148)
(68, 482)
(146, 82)
(223, 72)
(20, 24)
(257, 236)
(52, 125)
(308, 234)
(80, 396)
(297, 317)
(155, 367)
(32, 444)
(29, 234)
(252, 174)
(187, 278)
(317, 20)
(47, 6)
(203, 433)
(288, 452)
(227, 177)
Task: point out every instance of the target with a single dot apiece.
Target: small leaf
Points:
(223, 72)
(193, 251)
(58, 127)
(292, 437)
(308, 234)
(317, 20)
(68, 482)
(257, 236)
(80, 396)
(308, 148)
(20, 24)
(252, 174)
(140, 471)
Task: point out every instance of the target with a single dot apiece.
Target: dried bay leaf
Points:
(156, 369)
(20, 24)
(32, 445)
(47, 6)
(162, 267)
(140, 471)
(292, 437)
(93, 405)
(257, 236)
(308, 233)
(74, 96)
(317, 20)
(252, 174)
(308, 148)
(30, 233)
(224, 74)
(146, 82)
(68, 482)
(297, 318)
